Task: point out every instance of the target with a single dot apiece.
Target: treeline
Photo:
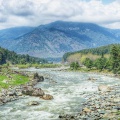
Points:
(7, 56)
(94, 51)
(111, 64)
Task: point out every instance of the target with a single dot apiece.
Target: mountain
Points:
(8, 35)
(12, 33)
(116, 32)
(57, 38)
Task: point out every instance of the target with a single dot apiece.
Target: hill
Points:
(57, 38)
(92, 53)
(7, 56)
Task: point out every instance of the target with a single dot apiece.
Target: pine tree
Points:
(115, 58)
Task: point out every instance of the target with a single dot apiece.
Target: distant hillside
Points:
(7, 56)
(8, 35)
(54, 39)
(92, 53)
(116, 32)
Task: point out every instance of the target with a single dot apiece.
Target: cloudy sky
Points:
(36, 12)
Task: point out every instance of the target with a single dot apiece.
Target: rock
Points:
(116, 100)
(12, 93)
(102, 111)
(118, 108)
(109, 116)
(92, 79)
(38, 92)
(19, 94)
(47, 97)
(60, 116)
(38, 78)
(28, 90)
(1, 100)
(33, 91)
(86, 110)
(33, 103)
(104, 88)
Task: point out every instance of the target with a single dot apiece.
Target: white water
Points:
(69, 89)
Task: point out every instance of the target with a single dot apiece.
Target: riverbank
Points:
(86, 70)
(15, 89)
(101, 105)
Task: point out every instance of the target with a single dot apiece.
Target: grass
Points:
(10, 79)
(16, 80)
(38, 66)
(19, 79)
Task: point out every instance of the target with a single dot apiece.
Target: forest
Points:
(110, 63)
(7, 56)
(95, 51)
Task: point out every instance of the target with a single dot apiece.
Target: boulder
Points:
(92, 79)
(47, 97)
(19, 94)
(28, 90)
(38, 78)
(116, 100)
(33, 103)
(33, 91)
(38, 92)
(104, 88)
(86, 110)
(12, 93)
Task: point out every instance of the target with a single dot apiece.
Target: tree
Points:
(88, 63)
(108, 64)
(100, 63)
(74, 65)
(2, 58)
(115, 58)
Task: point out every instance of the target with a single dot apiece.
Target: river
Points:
(69, 90)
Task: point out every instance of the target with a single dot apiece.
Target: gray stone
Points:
(33, 103)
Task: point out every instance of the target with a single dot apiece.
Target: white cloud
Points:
(36, 12)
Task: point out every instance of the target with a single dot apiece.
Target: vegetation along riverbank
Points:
(104, 59)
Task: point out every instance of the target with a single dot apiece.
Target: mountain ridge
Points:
(57, 38)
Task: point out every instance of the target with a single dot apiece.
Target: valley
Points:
(62, 70)
(55, 39)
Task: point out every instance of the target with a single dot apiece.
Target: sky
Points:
(15, 13)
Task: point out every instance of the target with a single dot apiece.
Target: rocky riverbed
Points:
(104, 104)
(12, 94)
(77, 96)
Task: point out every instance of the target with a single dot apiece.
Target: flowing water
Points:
(69, 90)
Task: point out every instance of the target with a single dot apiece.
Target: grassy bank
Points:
(9, 78)
(92, 71)
(23, 66)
